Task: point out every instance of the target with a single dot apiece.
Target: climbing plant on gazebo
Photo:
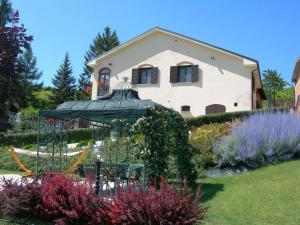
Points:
(165, 133)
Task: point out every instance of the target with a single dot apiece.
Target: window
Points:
(145, 75)
(103, 82)
(185, 74)
(185, 108)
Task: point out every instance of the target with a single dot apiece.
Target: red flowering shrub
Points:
(20, 198)
(150, 206)
(63, 200)
(66, 201)
(57, 198)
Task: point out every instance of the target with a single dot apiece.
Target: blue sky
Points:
(262, 29)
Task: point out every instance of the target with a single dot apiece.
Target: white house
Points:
(188, 75)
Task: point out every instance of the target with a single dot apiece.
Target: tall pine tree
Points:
(30, 76)
(102, 43)
(64, 83)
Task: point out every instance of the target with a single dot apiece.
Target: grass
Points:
(269, 195)
(3, 171)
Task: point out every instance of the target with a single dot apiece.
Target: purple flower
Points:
(259, 138)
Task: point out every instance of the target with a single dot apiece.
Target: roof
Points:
(121, 103)
(296, 72)
(165, 31)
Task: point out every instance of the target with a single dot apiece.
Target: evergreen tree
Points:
(5, 13)
(273, 82)
(64, 83)
(29, 78)
(102, 43)
(13, 39)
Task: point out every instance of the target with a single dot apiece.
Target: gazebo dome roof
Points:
(121, 103)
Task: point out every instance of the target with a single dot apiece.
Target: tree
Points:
(5, 13)
(13, 39)
(64, 83)
(273, 81)
(29, 78)
(102, 43)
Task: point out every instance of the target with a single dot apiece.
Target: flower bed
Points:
(63, 200)
(261, 139)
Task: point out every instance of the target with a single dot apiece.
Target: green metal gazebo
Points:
(110, 121)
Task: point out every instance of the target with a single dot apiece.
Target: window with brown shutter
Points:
(184, 74)
(147, 75)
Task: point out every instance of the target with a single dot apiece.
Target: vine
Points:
(165, 134)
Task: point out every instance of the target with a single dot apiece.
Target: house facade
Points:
(295, 79)
(179, 72)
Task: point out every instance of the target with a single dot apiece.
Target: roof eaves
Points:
(148, 32)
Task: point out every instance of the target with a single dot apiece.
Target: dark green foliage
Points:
(13, 39)
(273, 82)
(21, 139)
(30, 75)
(225, 117)
(5, 13)
(64, 83)
(166, 138)
(102, 43)
(285, 94)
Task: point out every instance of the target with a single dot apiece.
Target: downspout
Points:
(252, 81)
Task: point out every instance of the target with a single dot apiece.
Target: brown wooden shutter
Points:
(135, 76)
(173, 74)
(195, 73)
(215, 108)
(154, 77)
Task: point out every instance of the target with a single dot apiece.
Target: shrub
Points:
(20, 197)
(21, 139)
(262, 138)
(226, 117)
(66, 201)
(58, 198)
(150, 206)
(202, 140)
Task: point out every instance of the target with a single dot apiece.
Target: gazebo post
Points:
(38, 146)
(60, 144)
(53, 146)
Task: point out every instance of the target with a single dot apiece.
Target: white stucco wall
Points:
(222, 80)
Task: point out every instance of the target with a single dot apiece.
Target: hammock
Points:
(13, 152)
(44, 154)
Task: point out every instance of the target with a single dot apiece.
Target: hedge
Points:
(21, 139)
(225, 117)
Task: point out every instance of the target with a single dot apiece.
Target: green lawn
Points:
(9, 172)
(270, 195)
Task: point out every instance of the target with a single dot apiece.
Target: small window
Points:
(185, 108)
(103, 82)
(185, 74)
(145, 75)
(235, 104)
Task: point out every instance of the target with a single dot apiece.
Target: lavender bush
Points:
(260, 139)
